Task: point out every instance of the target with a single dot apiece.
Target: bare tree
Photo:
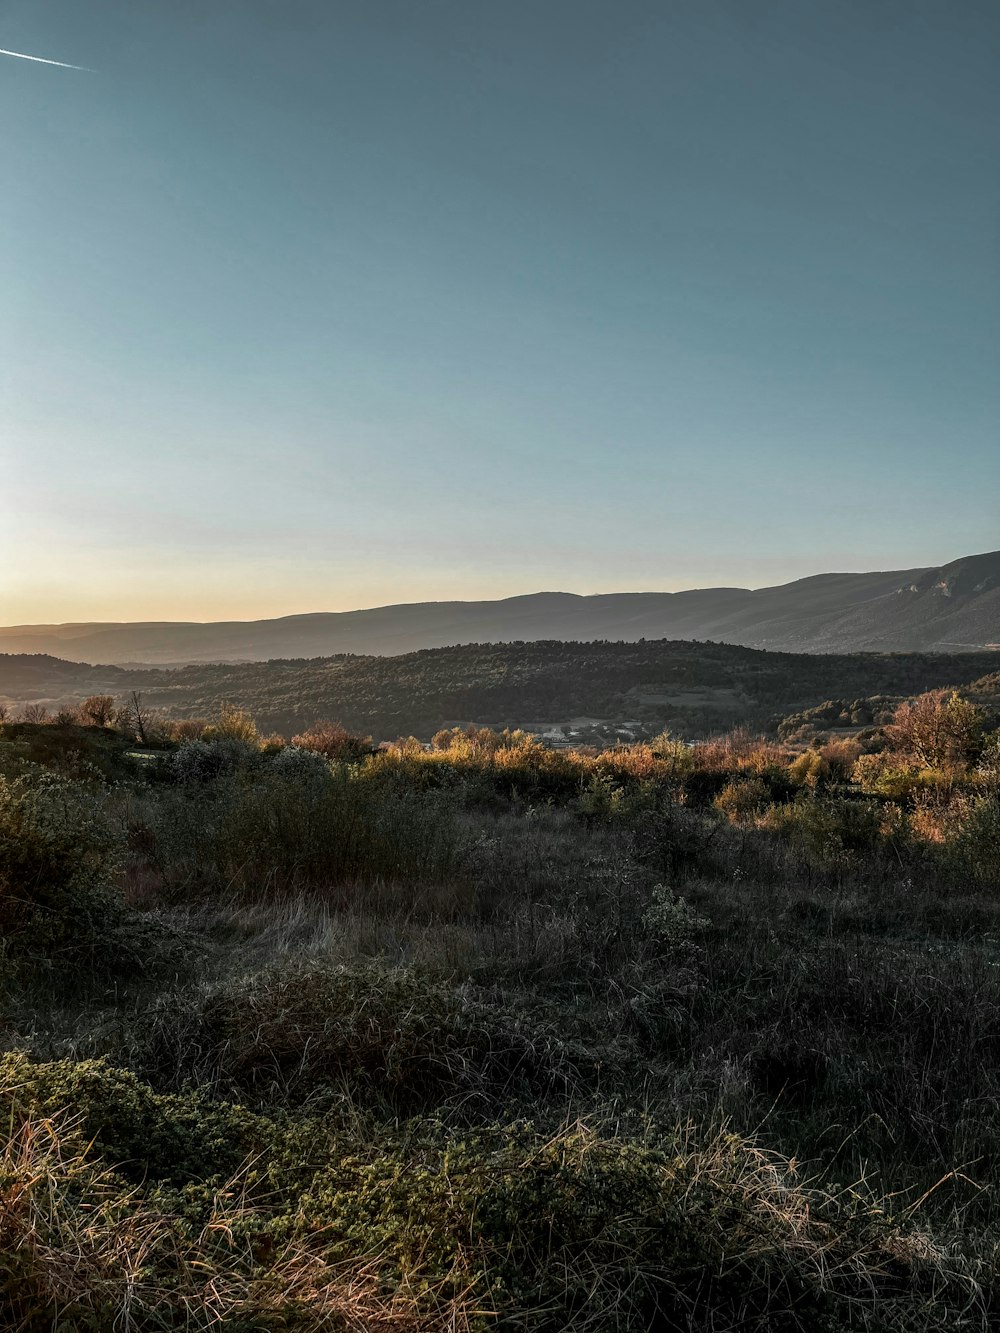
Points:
(4, 712)
(99, 710)
(34, 713)
(134, 715)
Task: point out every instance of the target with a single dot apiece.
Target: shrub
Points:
(335, 742)
(672, 840)
(988, 767)
(420, 1230)
(206, 760)
(886, 774)
(672, 920)
(676, 755)
(972, 846)
(142, 1132)
(830, 828)
(389, 1035)
(59, 856)
(811, 769)
(740, 800)
(580, 1231)
(184, 729)
(294, 764)
(840, 756)
(482, 741)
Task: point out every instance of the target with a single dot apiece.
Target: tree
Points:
(940, 729)
(99, 710)
(35, 713)
(135, 716)
(234, 724)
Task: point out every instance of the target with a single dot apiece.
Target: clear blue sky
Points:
(310, 305)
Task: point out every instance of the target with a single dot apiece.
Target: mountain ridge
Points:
(929, 609)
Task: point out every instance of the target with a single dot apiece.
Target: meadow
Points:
(319, 1034)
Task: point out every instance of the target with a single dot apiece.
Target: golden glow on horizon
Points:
(52, 607)
(262, 594)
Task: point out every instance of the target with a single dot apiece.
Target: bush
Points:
(98, 710)
(207, 760)
(673, 921)
(294, 764)
(972, 847)
(59, 857)
(829, 828)
(145, 1134)
(579, 1231)
(420, 1230)
(233, 724)
(740, 800)
(335, 742)
(388, 1035)
(887, 775)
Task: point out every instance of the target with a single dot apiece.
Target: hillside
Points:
(568, 689)
(952, 608)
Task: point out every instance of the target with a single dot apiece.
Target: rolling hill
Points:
(952, 608)
(579, 690)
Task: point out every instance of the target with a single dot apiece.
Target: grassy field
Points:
(661, 1037)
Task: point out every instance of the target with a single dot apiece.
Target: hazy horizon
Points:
(524, 592)
(328, 306)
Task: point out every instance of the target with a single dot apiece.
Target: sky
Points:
(321, 304)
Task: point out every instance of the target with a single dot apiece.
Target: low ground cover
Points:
(491, 1035)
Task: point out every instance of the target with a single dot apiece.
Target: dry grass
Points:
(79, 1250)
(612, 945)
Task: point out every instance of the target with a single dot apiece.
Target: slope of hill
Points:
(954, 607)
(549, 686)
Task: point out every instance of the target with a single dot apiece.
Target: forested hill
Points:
(691, 687)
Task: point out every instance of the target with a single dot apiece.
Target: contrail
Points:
(39, 60)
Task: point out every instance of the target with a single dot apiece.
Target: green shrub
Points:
(578, 1231)
(143, 1133)
(672, 920)
(60, 854)
(830, 829)
(83, 752)
(973, 847)
(419, 1229)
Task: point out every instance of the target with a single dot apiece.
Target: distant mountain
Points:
(949, 609)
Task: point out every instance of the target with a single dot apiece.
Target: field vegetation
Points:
(479, 1033)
